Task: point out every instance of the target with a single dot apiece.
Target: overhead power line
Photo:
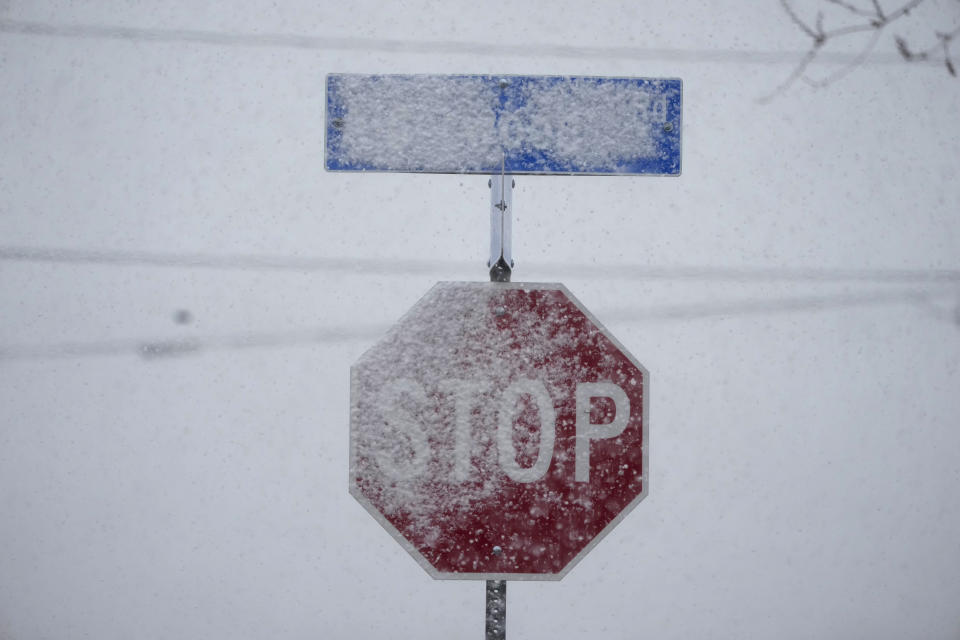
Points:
(243, 262)
(153, 349)
(406, 267)
(445, 47)
(764, 306)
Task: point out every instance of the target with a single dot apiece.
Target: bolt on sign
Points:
(498, 431)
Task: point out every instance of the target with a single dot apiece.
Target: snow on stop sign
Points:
(498, 431)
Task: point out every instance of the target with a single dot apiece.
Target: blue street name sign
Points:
(524, 124)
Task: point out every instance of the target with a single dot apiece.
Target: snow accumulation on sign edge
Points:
(533, 124)
(427, 454)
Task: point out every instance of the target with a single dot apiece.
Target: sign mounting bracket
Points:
(501, 226)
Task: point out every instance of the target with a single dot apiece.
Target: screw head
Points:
(497, 550)
(337, 123)
(668, 127)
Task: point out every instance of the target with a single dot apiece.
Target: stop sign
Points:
(498, 431)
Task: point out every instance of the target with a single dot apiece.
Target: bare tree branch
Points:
(902, 11)
(796, 19)
(875, 21)
(853, 28)
(846, 69)
(945, 40)
(854, 9)
(943, 44)
(798, 71)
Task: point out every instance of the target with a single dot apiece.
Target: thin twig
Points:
(853, 28)
(944, 42)
(853, 9)
(847, 68)
(798, 71)
(902, 11)
(796, 19)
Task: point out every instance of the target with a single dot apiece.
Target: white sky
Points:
(795, 295)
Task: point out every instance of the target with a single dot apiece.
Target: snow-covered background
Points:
(183, 289)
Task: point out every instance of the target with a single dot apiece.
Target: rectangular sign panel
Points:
(529, 124)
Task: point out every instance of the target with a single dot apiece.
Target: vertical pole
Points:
(501, 265)
(496, 610)
(501, 245)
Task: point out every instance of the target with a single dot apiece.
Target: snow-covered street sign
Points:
(527, 124)
(498, 431)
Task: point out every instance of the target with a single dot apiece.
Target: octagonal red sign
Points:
(498, 431)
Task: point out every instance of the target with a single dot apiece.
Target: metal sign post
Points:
(501, 266)
(501, 214)
(496, 627)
